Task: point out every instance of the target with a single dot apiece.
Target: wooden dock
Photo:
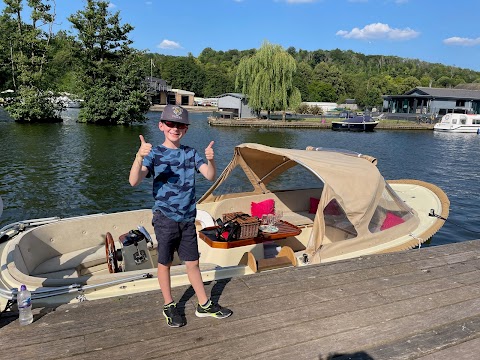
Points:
(419, 304)
(305, 124)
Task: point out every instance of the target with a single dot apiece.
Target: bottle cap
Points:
(23, 288)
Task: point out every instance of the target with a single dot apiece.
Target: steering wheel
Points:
(110, 252)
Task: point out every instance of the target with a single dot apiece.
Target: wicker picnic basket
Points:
(248, 224)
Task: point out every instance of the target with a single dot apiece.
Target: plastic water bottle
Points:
(24, 302)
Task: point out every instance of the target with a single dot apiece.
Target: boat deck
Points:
(416, 304)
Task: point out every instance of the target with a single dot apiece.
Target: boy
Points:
(173, 168)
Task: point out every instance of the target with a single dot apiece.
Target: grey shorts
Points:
(175, 236)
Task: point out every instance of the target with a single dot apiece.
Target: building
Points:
(325, 106)
(181, 97)
(438, 101)
(157, 90)
(162, 94)
(233, 105)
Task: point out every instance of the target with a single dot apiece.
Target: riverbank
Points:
(312, 124)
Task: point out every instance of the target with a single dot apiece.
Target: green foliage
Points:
(112, 75)
(34, 105)
(321, 91)
(99, 65)
(267, 79)
(28, 47)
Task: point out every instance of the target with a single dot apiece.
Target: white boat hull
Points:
(459, 123)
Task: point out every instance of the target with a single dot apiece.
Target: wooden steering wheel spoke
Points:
(111, 254)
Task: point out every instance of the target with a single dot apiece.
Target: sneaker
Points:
(172, 316)
(212, 309)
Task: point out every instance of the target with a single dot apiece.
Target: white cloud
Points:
(169, 44)
(111, 5)
(462, 41)
(378, 31)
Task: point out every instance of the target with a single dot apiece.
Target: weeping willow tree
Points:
(266, 78)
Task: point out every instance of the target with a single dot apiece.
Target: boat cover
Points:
(359, 119)
(353, 181)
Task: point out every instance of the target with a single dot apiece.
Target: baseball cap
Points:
(175, 113)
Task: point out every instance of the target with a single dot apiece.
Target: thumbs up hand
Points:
(209, 153)
(145, 147)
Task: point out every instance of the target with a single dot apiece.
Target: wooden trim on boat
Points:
(285, 230)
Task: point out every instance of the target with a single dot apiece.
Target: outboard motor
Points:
(135, 250)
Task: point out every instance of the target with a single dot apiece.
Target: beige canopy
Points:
(353, 180)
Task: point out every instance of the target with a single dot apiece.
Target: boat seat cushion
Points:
(71, 260)
(263, 207)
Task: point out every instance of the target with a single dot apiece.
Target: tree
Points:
(217, 81)
(330, 74)
(267, 79)
(112, 76)
(302, 78)
(28, 46)
(184, 73)
(321, 91)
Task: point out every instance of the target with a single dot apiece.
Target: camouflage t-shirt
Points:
(173, 172)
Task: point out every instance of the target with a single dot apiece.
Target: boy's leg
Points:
(195, 278)
(167, 234)
(163, 274)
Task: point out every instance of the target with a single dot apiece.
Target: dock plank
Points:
(414, 304)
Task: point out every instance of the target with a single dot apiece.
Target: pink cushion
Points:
(263, 207)
(313, 205)
(390, 221)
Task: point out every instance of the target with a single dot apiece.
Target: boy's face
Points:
(173, 131)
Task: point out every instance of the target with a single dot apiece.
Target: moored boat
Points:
(356, 123)
(341, 208)
(459, 123)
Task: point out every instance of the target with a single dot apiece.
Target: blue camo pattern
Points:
(173, 172)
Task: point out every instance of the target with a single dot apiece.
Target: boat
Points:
(74, 104)
(356, 123)
(459, 123)
(334, 205)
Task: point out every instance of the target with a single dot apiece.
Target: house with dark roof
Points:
(234, 105)
(438, 101)
(157, 90)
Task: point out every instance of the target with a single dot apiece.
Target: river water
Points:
(70, 169)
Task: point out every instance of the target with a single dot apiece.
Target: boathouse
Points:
(233, 105)
(157, 90)
(181, 97)
(438, 101)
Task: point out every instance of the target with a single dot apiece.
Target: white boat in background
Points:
(74, 104)
(461, 123)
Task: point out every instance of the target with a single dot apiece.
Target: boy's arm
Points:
(209, 169)
(138, 172)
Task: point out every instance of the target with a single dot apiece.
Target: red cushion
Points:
(390, 221)
(263, 207)
(313, 205)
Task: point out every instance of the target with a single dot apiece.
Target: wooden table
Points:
(285, 229)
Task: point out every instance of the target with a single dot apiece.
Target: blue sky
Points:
(437, 31)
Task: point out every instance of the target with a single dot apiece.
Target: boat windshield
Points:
(390, 211)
